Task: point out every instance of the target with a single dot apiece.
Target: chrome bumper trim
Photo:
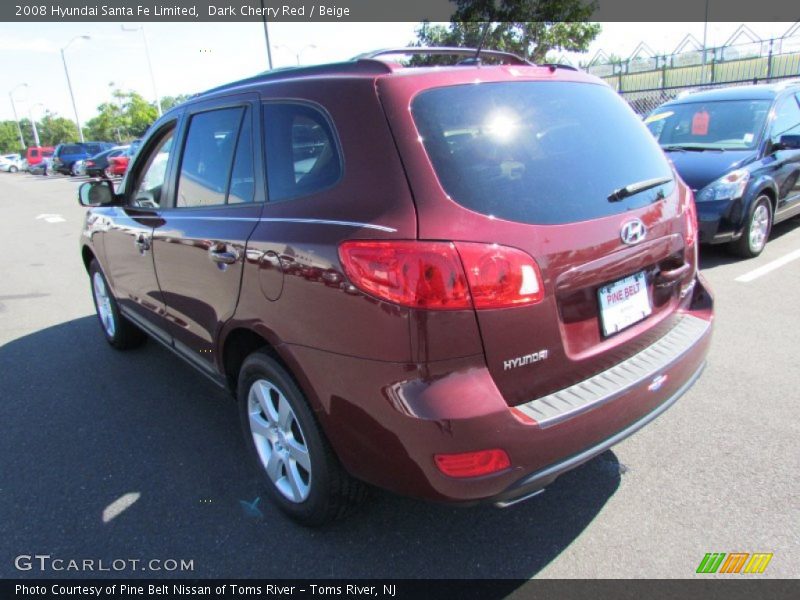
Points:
(603, 387)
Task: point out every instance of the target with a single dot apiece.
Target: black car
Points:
(96, 165)
(66, 155)
(738, 148)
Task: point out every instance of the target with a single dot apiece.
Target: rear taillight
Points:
(472, 464)
(442, 275)
(416, 274)
(500, 276)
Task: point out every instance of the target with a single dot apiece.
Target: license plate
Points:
(623, 303)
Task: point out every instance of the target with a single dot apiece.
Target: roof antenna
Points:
(477, 57)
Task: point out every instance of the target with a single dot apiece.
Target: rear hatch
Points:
(556, 165)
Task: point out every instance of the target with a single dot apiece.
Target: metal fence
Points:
(648, 81)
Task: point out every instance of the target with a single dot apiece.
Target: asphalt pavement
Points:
(133, 456)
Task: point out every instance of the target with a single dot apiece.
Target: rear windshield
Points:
(720, 125)
(539, 152)
(70, 149)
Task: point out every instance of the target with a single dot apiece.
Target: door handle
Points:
(222, 257)
(142, 242)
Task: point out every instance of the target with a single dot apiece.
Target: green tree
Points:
(529, 28)
(54, 130)
(9, 137)
(125, 117)
(110, 123)
(140, 113)
(168, 102)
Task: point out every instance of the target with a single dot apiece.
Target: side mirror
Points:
(97, 193)
(789, 142)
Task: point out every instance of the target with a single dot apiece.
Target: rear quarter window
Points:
(301, 150)
(538, 152)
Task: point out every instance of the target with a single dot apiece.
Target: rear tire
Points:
(118, 331)
(302, 473)
(758, 226)
(12, 169)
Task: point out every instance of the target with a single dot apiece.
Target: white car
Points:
(11, 163)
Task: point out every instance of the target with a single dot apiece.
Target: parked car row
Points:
(67, 155)
(95, 159)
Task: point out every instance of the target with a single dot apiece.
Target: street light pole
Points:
(69, 84)
(16, 119)
(149, 63)
(266, 37)
(33, 123)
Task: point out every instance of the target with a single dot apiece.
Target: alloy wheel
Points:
(103, 302)
(279, 440)
(759, 228)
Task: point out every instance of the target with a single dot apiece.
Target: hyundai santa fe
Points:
(455, 283)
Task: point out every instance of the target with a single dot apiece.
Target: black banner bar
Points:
(733, 588)
(372, 10)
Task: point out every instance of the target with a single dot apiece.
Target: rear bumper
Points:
(386, 421)
(528, 486)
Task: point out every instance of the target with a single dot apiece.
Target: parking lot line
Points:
(769, 267)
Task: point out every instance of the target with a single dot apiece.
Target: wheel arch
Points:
(240, 341)
(770, 193)
(762, 186)
(87, 255)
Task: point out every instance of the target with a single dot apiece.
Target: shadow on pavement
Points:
(84, 425)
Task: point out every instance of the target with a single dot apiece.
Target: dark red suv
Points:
(454, 283)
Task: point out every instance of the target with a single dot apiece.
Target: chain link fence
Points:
(646, 82)
(643, 102)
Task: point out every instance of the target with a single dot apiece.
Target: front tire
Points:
(118, 331)
(302, 474)
(12, 169)
(757, 229)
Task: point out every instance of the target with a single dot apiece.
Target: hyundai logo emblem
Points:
(633, 231)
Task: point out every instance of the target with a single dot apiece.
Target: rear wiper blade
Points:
(635, 188)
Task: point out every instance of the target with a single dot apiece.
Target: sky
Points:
(192, 57)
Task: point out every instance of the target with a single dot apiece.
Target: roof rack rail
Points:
(349, 67)
(506, 57)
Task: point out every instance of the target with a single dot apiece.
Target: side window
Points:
(207, 157)
(302, 155)
(151, 178)
(787, 119)
(242, 185)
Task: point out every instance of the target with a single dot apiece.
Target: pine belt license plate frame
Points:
(623, 303)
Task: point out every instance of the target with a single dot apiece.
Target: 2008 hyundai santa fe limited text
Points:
(453, 282)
